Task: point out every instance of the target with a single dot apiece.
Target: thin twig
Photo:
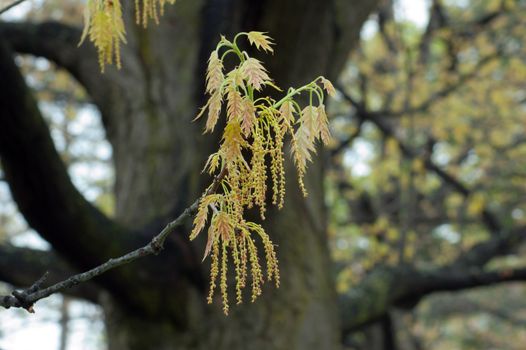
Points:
(28, 297)
(10, 6)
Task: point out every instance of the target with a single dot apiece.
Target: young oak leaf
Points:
(214, 73)
(327, 85)
(220, 227)
(214, 109)
(232, 142)
(302, 148)
(212, 163)
(212, 240)
(260, 40)
(88, 15)
(235, 78)
(322, 124)
(309, 120)
(202, 213)
(254, 73)
(251, 151)
(224, 226)
(235, 106)
(286, 115)
(248, 116)
(104, 26)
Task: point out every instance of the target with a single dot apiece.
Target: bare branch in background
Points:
(10, 6)
(489, 219)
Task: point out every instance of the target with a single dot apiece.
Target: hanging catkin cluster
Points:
(251, 149)
(104, 26)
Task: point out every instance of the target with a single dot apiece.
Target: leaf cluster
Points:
(104, 25)
(252, 148)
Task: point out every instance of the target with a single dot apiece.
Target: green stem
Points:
(238, 51)
(226, 53)
(293, 92)
(319, 93)
(238, 35)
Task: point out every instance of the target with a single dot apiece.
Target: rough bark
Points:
(40, 184)
(50, 203)
(53, 40)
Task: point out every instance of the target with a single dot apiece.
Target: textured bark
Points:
(50, 203)
(24, 130)
(147, 109)
(53, 40)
